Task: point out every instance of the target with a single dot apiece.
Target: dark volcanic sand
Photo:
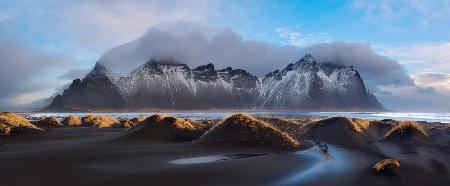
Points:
(89, 156)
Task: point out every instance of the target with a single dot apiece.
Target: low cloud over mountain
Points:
(195, 46)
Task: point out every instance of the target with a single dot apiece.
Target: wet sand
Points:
(90, 156)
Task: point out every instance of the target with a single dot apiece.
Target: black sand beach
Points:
(101, 156)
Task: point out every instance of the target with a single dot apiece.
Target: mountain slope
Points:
(307, 84)
(95, 91)
(168, 85)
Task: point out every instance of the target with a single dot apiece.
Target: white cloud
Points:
(438, 81)
(413, 98)
(374, 68)
(419, 57)
(109, 23)
(195, 46)
(395, 90)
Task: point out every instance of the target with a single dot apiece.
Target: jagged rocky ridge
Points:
(305, 84)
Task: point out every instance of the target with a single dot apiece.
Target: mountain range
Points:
(167, 84)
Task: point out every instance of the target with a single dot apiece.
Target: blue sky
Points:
(72, 35)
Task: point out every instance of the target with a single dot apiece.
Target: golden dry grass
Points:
(386, 164)
(341, 131)
(11, 124)
(138, 119)
(245, 130)
(127, 123)
(280, 121)
(167, 128)
(173, 122)
(72, 121)
(49, 122)
(89, 118)
(359, 125)
(405, 127)
(290, 126)
(104, 122)
(181, 123)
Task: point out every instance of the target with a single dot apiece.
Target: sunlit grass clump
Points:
(359, 125)
(11, 124)
(88, 119)
(406, 128)
(72, 121)
(49, 122)
(104, 122)
(167, 128)
(386, 164)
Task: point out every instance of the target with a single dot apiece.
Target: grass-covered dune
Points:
(12, 124)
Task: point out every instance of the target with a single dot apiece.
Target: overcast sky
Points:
(398, 46)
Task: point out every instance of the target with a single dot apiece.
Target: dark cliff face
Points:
(157, 84)
(95, 91)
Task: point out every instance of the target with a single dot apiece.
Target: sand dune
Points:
(12, 124)
(245, 131)
(138, 119)
(72, 121)
(104, 122)
(338, 130)
(127, 123)
(407, 135)
(166, 128)
(49, 122)
(407, 130)
(88, 119)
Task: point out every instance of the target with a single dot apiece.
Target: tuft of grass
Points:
(173, 122)
(138, 119)
(104, 122)
(405, 127)
(286, 125)
(89, 118)
(167, 128)
(127, 123)
(49, 122)
(359, 125)
(386, 164)
(72, 121)
(11, 124)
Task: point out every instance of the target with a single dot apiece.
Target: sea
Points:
(429, 117)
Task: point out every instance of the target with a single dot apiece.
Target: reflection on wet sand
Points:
(212, 158)
(329, 159)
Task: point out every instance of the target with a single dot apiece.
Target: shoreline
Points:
(443, 118)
